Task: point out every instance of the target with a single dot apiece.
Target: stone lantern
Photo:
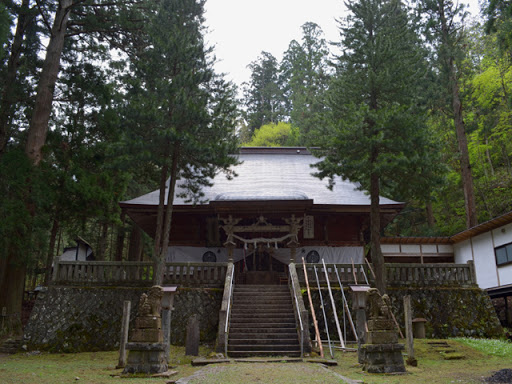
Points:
(359, 299)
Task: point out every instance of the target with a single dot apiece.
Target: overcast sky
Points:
(241, 29)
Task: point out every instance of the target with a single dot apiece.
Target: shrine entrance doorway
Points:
(260, 267)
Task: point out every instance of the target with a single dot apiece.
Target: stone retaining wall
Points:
(74, 319)
(450, 312)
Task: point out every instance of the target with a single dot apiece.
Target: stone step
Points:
(264, 347)
(263, 309)
(288, 334)
(261, 287)
(236, 354)
(259, 342)
(271, 299)
(264, 328)
(257, 318)
(10, 346)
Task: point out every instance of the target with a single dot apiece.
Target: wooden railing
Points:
(405, 274)
(348, 273)
(128, 273)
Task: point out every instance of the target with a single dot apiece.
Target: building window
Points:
(504, 254)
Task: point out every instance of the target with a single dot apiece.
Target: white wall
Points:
(341, 255)
(503, 236)
(481, 248)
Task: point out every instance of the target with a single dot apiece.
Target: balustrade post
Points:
(472, 271)
(56, 264)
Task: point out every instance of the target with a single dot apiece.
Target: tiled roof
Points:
(275, 174)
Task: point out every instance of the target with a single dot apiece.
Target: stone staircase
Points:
(10, 346)
(262, 322)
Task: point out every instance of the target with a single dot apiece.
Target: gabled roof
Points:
(457, 238)
(274, 174)
(484, 227)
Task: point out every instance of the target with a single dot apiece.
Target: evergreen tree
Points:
(445, 31)
(263, 96)
(499, 22)
(376, 136)
(305, 74)
(180, 113)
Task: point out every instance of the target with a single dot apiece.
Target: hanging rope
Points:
(263, 239)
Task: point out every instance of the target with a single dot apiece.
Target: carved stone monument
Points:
(146, 350)
(382, 353)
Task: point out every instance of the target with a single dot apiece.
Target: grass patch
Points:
(490, 347)
(97, 368)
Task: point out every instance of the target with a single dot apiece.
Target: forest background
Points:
(93, 94)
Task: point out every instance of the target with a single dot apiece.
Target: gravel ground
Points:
(503, 376)
(275, 373)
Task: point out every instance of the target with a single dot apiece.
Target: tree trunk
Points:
(135, 248)
(51, 251)
(465, 166)
(38, 128)
(161, 207)
(8, 95)
(12, 288)
(120, 239)
(166, 228)
(377, 257)
(460, 129)
(430, 214)
(102, 242)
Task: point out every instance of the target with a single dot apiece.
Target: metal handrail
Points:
(300, 319)
(227, 312)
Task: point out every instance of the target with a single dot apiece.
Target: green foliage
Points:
(498, 15)
(275, 135)
(5, 24)
(263, 96)
(377, 127)
(306, 77)
(177, 102)
(491, 347)
(21, 233)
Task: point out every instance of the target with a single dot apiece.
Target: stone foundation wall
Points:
(450, 312)
(74, 319)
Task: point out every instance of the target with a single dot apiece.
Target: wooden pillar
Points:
(293, 250)
(230, 246)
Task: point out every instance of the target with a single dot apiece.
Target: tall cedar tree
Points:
(445, 30)
(263, 96)
(498, 14)
(305, 72)
(181, 113)
(376, 136)
(62, 18)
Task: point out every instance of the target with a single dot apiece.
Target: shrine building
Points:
(275, 211)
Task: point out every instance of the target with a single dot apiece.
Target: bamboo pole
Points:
(323, 311)
(340, 334)
(354, 271)
(315, 323)
(345, 303)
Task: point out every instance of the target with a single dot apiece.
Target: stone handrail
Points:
(300, 310)
(136, 273)
(405, 274)
(222, 336)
